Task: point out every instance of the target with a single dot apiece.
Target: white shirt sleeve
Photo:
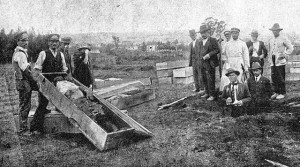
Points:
(288, 45)
(40, 60)
(65, 68)
(21, 58)
(246, 55)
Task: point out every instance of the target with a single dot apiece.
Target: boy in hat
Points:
(82, 71)
(24, 79)
(195, 62)
(235, 95)
(260, 89)
(257, 49)
(279, 48)
(209, 49)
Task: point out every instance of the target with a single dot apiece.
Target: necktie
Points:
(256, 79)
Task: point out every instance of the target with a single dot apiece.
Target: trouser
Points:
(209, 77)
(25, 92)
(257, 107)
(37, 122)
(278, 79)
(197, 77)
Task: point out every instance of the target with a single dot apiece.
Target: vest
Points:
(51, 63)
(193, 50)
(19, 74)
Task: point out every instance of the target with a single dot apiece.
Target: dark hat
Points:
(255, 66)
(83, 46)
(52, 35)
(235, 30)
(231, 70)
(66, 40)
(204, 28)
(192, 32)
(226, 31)
(275, 27)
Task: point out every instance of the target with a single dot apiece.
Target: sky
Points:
(83, 16)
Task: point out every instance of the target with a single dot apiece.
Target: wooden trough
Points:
(96, 133)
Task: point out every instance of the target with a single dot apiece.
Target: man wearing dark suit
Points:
(209, 49)
(257, 49)
(195, 62)
(260, 90)
(235, 95)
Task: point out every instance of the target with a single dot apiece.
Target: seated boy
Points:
(236, 95)
(260, 90)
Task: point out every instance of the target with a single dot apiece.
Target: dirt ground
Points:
(193, 133)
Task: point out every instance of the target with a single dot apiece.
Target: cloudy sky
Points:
(74, 16)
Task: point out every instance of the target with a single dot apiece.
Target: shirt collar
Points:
(258, 77)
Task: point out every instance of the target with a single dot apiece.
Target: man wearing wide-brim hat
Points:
(236, 53)
(235, 94)
(209, 49)
(257, 49)
(82, 67)
(279, 48)
(195, 62)
(260, 89)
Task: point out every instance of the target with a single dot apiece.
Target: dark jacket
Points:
(194, 54)
(243, 93)
(82, 71)
(261, 50)
(211, 47)
(260, 91)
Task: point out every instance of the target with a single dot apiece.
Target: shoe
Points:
(280, 97)
(274, 96)
(204, 96)
(211, 98)
(201, 92)
(196, 90)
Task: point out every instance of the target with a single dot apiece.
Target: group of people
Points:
(52, 60)
(242, 83)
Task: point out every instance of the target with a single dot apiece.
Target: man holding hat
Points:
(48, 61)
(82, 71)
(236, 94)
(209, 49)
(237, 54)
(279, 48)
(260, 89)
(64, 48)
(257, 49)
(195, 62)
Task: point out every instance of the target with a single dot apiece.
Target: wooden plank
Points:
(178, 64)
(293, 64)
(291, 58)
(165, 80)
(133, 100)
(183, 72)
(295, 70)
(164, 73)
(185, 81)
(118, 89)
(172, 64)
(161, 66)
(293, 77)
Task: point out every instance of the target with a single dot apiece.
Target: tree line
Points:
(8, 42)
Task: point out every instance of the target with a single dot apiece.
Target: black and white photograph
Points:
(149, 83)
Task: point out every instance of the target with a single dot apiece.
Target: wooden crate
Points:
(292, 58)
(165, 80)
(164, 73)
(183, 72)
(185, 80)
(295, 70)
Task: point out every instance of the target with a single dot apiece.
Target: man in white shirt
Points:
(49, 61)
(195, 62)
(279, 48)
(24, 79)
(237, 54)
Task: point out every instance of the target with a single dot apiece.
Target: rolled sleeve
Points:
(40, 60)
(65, 68)
(21, 58)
